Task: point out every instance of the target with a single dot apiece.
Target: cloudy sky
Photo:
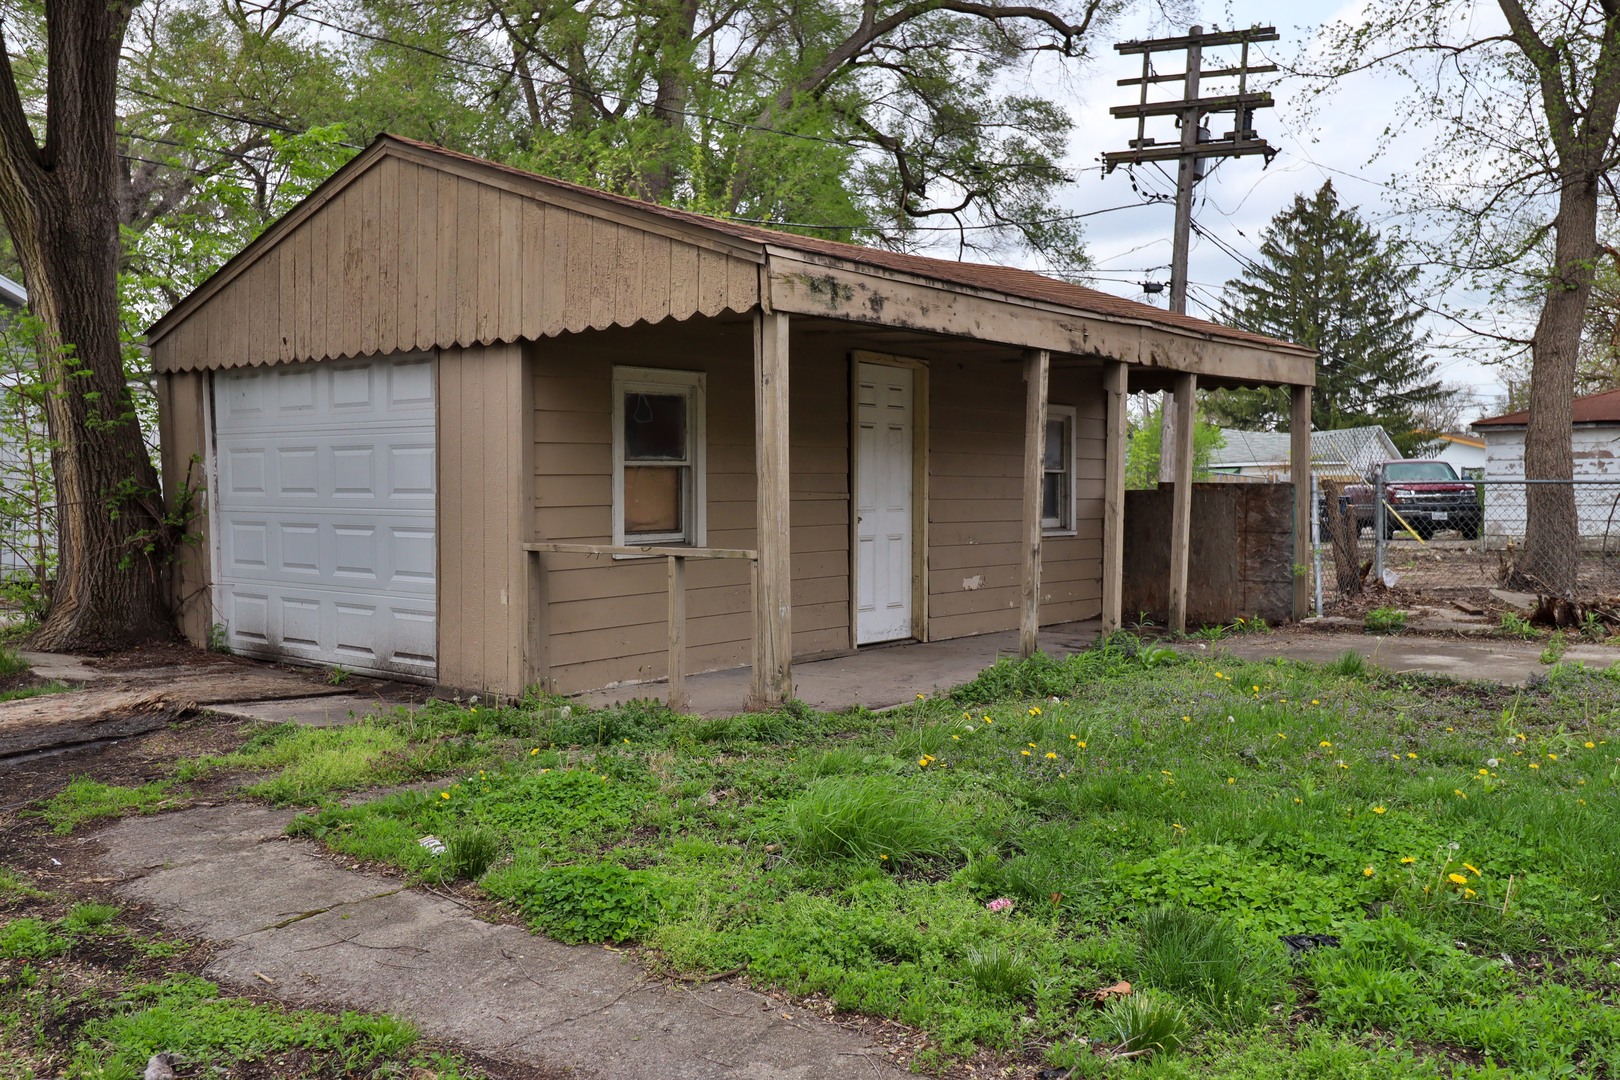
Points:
(1339, 141)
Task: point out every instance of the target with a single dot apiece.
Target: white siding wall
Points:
(1597, 457)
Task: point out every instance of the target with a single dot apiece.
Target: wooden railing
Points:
(676, 558)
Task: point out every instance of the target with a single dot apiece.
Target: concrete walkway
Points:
(876, 677)
(301, 927)
(1469, 659)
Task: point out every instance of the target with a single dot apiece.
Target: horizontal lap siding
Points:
(406, 257)
(605, 619)
(976, 464)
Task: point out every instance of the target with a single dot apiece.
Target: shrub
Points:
(869, 818)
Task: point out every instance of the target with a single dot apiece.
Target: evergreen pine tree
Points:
(1327, 281)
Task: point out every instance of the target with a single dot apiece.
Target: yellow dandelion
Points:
(1176, 825)
(1051, 755)
(1257, 689)
(1298, 801)
(1282, 735)
(1457, 879)
(958, 738)
(1026, 753)
(1344, 764)
(1394, 757)
(1552, 757)
(533, 752)
(1469, 893)
(1484, 772)
(1460, 793)
(1380, 809)
(1074, 736)
(1590, 745)
(1030, 745)
(1535, 764)
(1231, 779)
(1471, 868)
(923, 761)
(1580, 802)
(1034, 710)
(1410, 754)
(1407, 860)
(1186, 719)
(1082, 745)
(1324, 742)
(1315, 702)
(1451, 729)
(988, 720)
(1367, 872)
(444, 794)
(883, 858)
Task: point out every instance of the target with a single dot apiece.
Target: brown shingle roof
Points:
(1601, 408)
(1006, 280)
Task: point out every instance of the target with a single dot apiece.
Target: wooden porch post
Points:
(1037, 363)
(1299, 465)
(1115, 387)
(1181, 513)
(773, 640)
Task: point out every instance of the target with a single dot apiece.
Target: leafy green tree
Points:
(1326, 280)
(1142, 450)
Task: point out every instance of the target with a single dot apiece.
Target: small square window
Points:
(657, 456)
(1057, 480)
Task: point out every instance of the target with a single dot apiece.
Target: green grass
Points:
(88, 800)
(66, 1005)
(978, 864)
(1384, 620)
(10, 662)
(35, 691)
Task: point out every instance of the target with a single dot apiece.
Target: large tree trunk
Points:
(1551, 553)
(59, 202)
(674, 53)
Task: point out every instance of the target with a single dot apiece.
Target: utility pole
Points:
(1195, 145)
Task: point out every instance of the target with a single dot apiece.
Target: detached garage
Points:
(454, 422)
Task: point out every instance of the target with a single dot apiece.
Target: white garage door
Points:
(324, 513)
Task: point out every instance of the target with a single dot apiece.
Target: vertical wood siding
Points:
(976, 413)
(407, 257)
(605, 619)
(183, 431)
(485, 458)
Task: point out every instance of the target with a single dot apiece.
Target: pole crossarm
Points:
(1208, 40)
(1258, 99)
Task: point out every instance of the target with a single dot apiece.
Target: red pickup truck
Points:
(1428, 495)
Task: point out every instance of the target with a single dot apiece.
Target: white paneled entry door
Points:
(885, 412)
(324, 515)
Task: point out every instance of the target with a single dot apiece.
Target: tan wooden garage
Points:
(659, 434)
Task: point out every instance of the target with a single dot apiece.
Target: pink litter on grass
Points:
(1000, 903)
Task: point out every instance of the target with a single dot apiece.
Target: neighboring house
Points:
(1594, 437)
(1335, 455)
(1465, 453)
(434, 360)
(21, 532)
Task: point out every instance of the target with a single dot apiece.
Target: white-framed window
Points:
(658, 446)
(1057, 479)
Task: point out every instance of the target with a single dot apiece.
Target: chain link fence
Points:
(1457, 541)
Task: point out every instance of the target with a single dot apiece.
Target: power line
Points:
(936, 228)
(269, 124)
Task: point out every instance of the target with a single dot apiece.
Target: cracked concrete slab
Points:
(1511, 663)
(330, 935)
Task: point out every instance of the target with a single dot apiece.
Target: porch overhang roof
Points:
(750, 268)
